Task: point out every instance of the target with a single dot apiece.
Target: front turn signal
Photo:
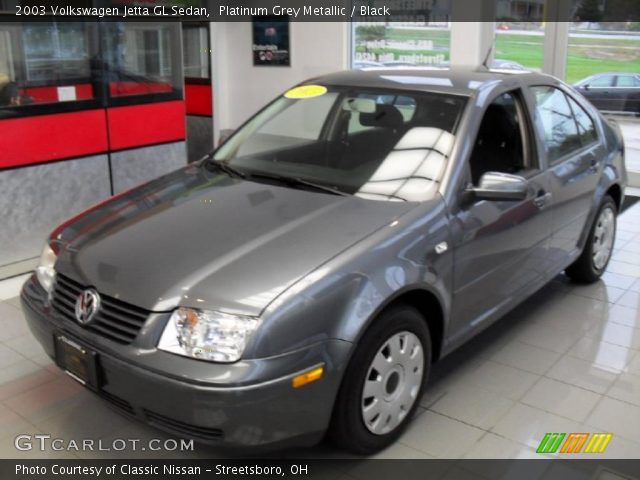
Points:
(307, 377)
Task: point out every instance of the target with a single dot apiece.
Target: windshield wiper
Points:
(296, 181)
(223, 167)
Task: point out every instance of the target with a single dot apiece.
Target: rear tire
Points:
(595, 257)
(383, 383)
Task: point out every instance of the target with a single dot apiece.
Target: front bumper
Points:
(249, 403)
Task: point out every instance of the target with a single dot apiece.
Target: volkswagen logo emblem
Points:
(87, 305)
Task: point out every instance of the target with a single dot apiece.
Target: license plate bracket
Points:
(78, 361)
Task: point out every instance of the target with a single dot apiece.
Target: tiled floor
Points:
(567, 360)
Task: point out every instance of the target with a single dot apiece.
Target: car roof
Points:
(611, 74)
(454, 80)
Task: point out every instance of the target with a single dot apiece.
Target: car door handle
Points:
(542, 200)
(593, 165)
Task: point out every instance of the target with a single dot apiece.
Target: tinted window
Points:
(603, 81)
(586, 127)
(559, 126)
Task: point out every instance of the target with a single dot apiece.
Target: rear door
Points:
(574, 155)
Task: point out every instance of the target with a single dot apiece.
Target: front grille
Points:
(166, 423)
(116, 320)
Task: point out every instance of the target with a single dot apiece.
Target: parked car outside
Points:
(359, 64)
(612, 92)
(303, 278)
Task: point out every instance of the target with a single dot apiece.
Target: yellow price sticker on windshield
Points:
(306, 91)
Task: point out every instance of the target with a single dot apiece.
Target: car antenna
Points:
(486, 59)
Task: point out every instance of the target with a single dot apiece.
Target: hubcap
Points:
(603, 237)
(393, 383)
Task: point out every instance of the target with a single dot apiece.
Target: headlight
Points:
(44, 271)
(206, 335)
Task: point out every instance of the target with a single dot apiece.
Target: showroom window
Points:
(602, 47)
(143, 59)
(519, 46)
(45, 63)
(520, 33)
(196, 50)
(421, 37)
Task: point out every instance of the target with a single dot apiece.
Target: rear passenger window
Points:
(625, 81)
(560, 129)
(586, 127)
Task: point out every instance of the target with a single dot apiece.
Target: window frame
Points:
(531, 159)
(197, 80)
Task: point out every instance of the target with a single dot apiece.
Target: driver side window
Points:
(500, 144)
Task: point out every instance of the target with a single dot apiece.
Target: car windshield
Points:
(375, 144)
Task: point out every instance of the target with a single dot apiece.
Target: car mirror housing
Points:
(501, 186)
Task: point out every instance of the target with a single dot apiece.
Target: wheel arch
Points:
(615, 192)
(428, 304)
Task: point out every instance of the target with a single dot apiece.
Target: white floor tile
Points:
(583, 374)
(472, 405)
(528, 425)
(626, 388)
(561, 399)
(620, 418)
(440, 436)
(10, 287)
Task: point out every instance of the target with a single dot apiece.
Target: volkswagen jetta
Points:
(303, 278)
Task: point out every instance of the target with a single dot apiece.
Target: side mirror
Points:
(586, 87)
(501, 186)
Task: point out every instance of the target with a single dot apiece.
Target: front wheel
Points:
(383, 382)
(593, 261)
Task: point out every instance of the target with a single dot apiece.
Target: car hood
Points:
(206, 240)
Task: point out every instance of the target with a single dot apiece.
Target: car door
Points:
(500, 246)
(574, 156)
(599, 91)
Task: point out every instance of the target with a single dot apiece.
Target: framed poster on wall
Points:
(271, 41)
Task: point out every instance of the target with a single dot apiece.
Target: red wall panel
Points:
(119, 89)
(52, 137)
(84, 91)
(198, 99)
(147, 124)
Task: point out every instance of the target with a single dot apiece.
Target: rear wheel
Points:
(590, 266)
(383, 382)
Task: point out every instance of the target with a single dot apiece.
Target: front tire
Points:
(383, 382)
(595, 257)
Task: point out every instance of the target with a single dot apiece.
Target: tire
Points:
(588, 268)
(351, 428)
